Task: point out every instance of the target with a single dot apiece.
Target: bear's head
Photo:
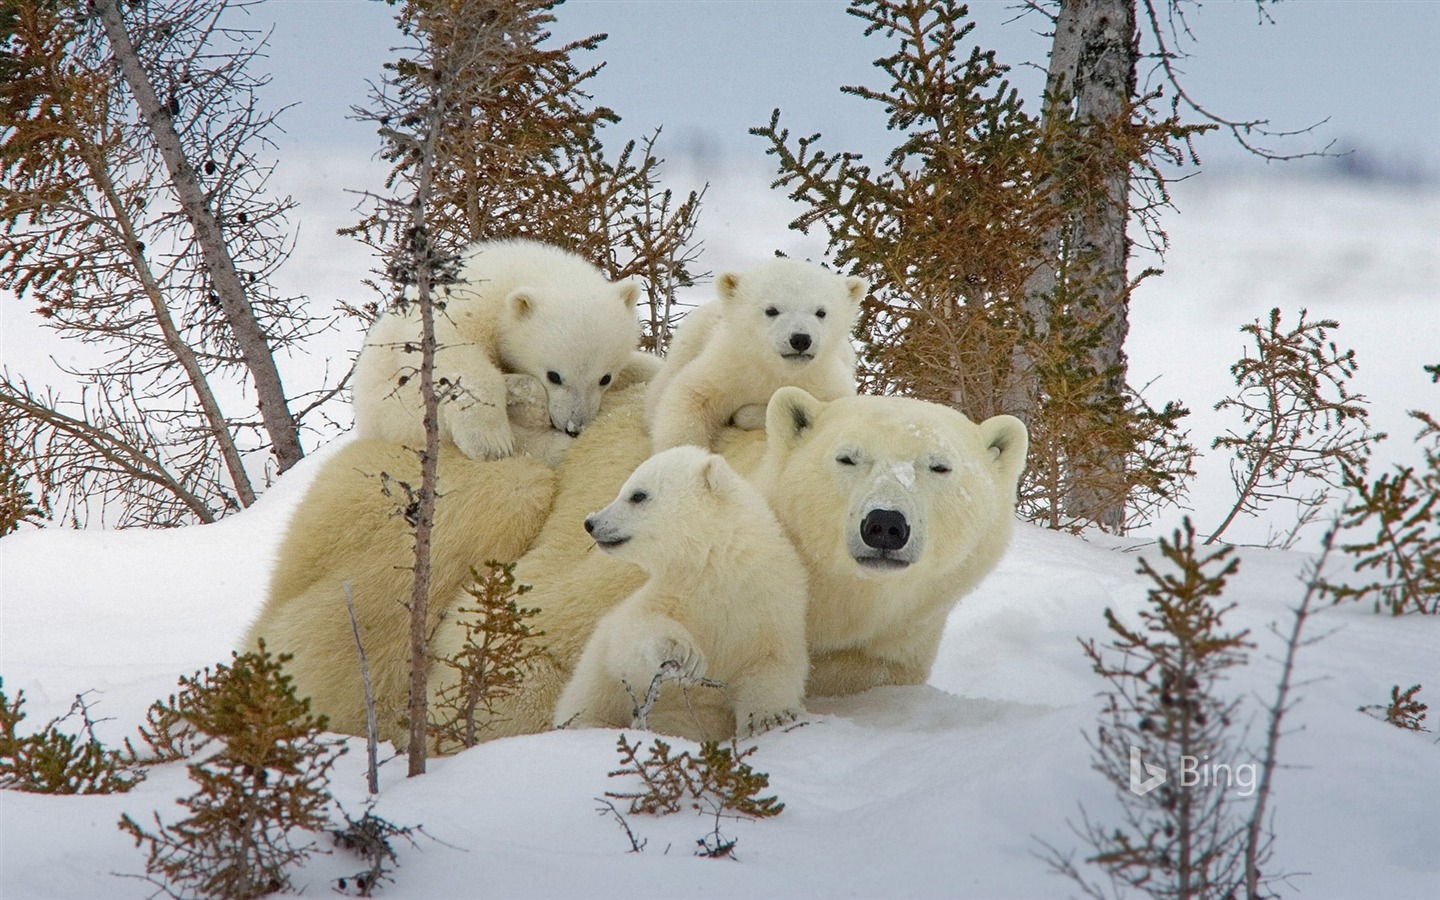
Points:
(909, 497)
(575, 345)
(800, 308)
(677, 496)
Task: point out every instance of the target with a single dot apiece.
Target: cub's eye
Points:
(554, 377)
(845, 459)
(772, 312)
(819, 313)
(639, 497)
(940, 468)
(604, 380)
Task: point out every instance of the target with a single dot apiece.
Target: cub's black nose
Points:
(572, 430)
(589, 525)
(800, 342)
(884, 529)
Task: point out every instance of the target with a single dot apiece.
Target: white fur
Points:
(725, 599)
(784, 322)
(519, 307)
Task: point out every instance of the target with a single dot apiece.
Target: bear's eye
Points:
(940, 468)
(845, 459)
(820, 313)
(639, 497)
(554, 377)
(771, 312)
(604, 380)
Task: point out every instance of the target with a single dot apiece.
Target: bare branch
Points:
(372, 731)
(1241, 130)
(230, 291)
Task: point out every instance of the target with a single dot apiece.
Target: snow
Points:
(904, 473)
(937, 790)
(942, 790)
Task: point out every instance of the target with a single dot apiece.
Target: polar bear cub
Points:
(725, 599)
(518, 307)
(784, 322)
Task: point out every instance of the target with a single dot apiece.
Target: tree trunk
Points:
(1092, 79)
(1104, 88)
(225, 279)
(1021, 396)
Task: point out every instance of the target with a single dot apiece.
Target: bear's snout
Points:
(607, 536)
(885, 529)
(800, 342)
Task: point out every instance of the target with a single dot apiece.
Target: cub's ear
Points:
(629, 292)
(857, 287)
(718, 475)
(1008, 442)
(727, 286)
(521, 303)
(791, 415)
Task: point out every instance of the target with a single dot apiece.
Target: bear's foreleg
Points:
(689, 412)
(593, 698)
(473, 410)
(774, 694)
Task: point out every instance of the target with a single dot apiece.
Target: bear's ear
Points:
(857, 287)
(629, 292)
(728, 286)
(719, 477)
(791, 414)
(521, 303)
(1008, 442)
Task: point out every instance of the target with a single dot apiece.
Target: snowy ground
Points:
(934, 791)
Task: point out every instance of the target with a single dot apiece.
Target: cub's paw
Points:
(758, 722)
(527, 405)
(677, 658)
(481, 431)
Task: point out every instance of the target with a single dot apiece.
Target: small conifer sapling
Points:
(265, 782)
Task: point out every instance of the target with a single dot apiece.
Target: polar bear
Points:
(897, 508)
(348, 541)
(517, 306)
(725, 599)
(785, 322)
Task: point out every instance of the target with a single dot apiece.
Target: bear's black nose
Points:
(884, 529)
(589, 525)
(572, 430)
(800, 341)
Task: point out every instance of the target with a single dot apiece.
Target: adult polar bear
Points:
(897, 507)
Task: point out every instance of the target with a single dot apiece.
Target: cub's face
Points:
(887, 486)
(797, 309)
(574, 346)
(670, 497)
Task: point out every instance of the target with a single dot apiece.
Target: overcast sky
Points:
(707, 70)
